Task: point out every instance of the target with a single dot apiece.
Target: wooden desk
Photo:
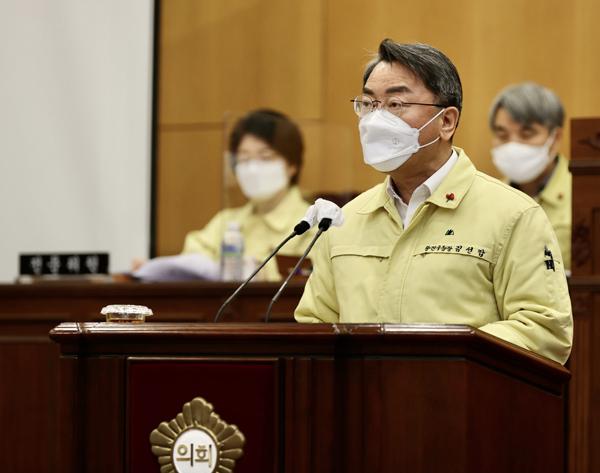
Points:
(29, 361)
(172, 302)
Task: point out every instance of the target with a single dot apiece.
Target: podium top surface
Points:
(252, 340)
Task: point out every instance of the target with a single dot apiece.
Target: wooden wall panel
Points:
(189, 184)
(584, 285)
(306, 59)
(217, 56)
(329, 157)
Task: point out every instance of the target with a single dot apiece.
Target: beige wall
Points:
(305, 58)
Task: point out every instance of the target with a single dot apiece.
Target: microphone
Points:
(299, 229)
(323, 227)
(329, 214)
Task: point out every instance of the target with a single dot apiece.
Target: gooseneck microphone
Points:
(324, 225)
(299, 229)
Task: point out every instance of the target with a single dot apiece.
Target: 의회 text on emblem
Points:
(197, 441)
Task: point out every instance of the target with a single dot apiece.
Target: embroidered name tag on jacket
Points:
(464, 249)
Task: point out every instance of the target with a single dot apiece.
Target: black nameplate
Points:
(61, 264)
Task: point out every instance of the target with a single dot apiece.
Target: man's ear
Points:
(291, 170)
(449, 123)
(557, 139)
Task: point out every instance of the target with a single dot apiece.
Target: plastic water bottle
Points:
(232, 253)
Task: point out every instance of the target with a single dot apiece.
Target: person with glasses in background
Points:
(266, 150)
(437, 241)
(527, 125)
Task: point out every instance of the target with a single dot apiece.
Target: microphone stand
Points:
(299, 229)
(323, 227)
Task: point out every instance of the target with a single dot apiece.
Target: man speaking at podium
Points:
(438, 241)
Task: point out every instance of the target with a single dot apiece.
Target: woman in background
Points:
(266, 149)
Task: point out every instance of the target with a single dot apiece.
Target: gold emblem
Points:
(197, 441)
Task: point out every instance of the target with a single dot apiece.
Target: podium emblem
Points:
(197, 441)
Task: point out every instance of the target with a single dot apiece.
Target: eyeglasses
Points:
(364, 105)
(267, 155)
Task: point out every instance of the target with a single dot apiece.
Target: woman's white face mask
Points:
(261, 180)
(522, 163)
(388, 141)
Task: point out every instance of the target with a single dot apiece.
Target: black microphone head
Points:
(324, 224)
(302, 227)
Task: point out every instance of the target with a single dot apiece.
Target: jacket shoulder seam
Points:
(517, 193)
(517, 216)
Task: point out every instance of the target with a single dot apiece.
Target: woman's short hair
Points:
(529, 103)
(275, 129)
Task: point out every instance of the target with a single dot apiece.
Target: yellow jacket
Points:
(555, 199)
(262, 233)
(477, 259)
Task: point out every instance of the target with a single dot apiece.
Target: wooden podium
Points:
(313, 398)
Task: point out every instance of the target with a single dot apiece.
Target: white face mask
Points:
(522, 163)
(261, 180)
(388, 141)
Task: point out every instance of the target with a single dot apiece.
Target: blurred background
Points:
(112, 113)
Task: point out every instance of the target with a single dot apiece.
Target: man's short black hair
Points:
(431, 66)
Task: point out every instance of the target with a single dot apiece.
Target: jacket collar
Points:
(456, 184)
(278, 219)
(552, 191)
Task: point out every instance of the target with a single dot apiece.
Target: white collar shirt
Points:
(421, 193)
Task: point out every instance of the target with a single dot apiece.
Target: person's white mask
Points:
(261, 180)
(388, 141)
(522, 163)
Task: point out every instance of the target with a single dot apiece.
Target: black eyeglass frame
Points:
(402, 103)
